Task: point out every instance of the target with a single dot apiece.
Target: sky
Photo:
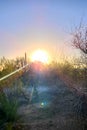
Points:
(28, 25)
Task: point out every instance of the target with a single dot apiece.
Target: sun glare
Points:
(40, 55)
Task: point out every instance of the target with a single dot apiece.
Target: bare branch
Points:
(80, 39)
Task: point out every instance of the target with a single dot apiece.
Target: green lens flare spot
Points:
(42, 104)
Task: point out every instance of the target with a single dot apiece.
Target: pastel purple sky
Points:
(28, 25)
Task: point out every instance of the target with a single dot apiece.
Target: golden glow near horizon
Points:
(40, 55)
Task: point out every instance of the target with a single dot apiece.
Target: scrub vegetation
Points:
(73, 73)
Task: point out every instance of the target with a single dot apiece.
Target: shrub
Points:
(8, 110)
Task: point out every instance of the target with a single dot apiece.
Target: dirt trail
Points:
(55, 108)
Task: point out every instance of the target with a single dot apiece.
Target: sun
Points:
(40, 56)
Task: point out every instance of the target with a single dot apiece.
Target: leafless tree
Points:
(80, 39)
